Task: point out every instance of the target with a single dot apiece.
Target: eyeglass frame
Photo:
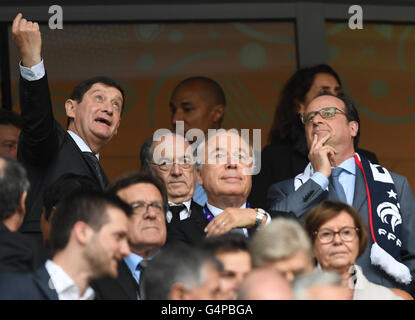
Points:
(356, 229)
(134, 204)
(169, 166)
(314, 113)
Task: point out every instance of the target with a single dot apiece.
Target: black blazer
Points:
(46, 150)
(191, 230)
(124, 287)
(27, 286)
(17, 253)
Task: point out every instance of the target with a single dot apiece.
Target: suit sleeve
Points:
(282, 197)
(39, 138)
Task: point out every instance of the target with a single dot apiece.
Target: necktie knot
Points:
(335, 172)
(142, 265)
(175, 210)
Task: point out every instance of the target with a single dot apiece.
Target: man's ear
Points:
(22, 203)
(70, 108)
(82, 232)
(300, 106)
(199, 176)
(354, 128)
(178, 292)
(116, 128)
(218, 112)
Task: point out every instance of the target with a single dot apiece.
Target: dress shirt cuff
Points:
(321, 180)
(34, 73)
(268, 219)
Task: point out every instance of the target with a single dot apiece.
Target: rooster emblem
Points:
(386, 209)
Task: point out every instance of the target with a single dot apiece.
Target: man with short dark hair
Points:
(384, 199)
(17, 253)
(199, 102)
(45, 148)
(10, 127)
(88, 238)
(232, 251)
(146, 194)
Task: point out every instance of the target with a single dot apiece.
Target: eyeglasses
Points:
(141, 207)
(167, 164)
(325, 113)
(347, 234)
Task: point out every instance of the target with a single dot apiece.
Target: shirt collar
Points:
(132, 261)
(186, 203)
(63, 283)
(349, 165)
(215, 211)
(81, 143)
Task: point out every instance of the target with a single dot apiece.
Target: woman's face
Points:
(337, 255)
(323, 82)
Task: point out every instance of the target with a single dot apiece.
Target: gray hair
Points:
(318, 277)
(13, 183)
(175, 264)
(279, 239)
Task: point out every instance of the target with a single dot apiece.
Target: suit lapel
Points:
(126, 280)
(360, 195)
(86, 164)
(42, 279)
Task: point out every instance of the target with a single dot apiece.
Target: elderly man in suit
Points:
(45, 148)
(384, 199)
(225, 163)
(88, 238)
(172, 160)
(146, 194)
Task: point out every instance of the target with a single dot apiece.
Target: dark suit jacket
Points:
(27, 286)
(124, 287)
(280, 162)
(46, 150)
(17, 253)
(191, 230)
(283, 197)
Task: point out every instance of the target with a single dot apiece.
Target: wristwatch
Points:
(260, 213)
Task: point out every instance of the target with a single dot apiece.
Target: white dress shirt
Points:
(63, 284)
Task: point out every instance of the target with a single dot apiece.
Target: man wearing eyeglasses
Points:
(146, 195)
(172, 160)
(384, 199)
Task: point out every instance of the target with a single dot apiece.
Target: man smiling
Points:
(45, 148)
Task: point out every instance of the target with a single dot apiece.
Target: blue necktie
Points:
(338, 188)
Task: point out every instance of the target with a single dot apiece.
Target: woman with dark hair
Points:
(286, 155)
